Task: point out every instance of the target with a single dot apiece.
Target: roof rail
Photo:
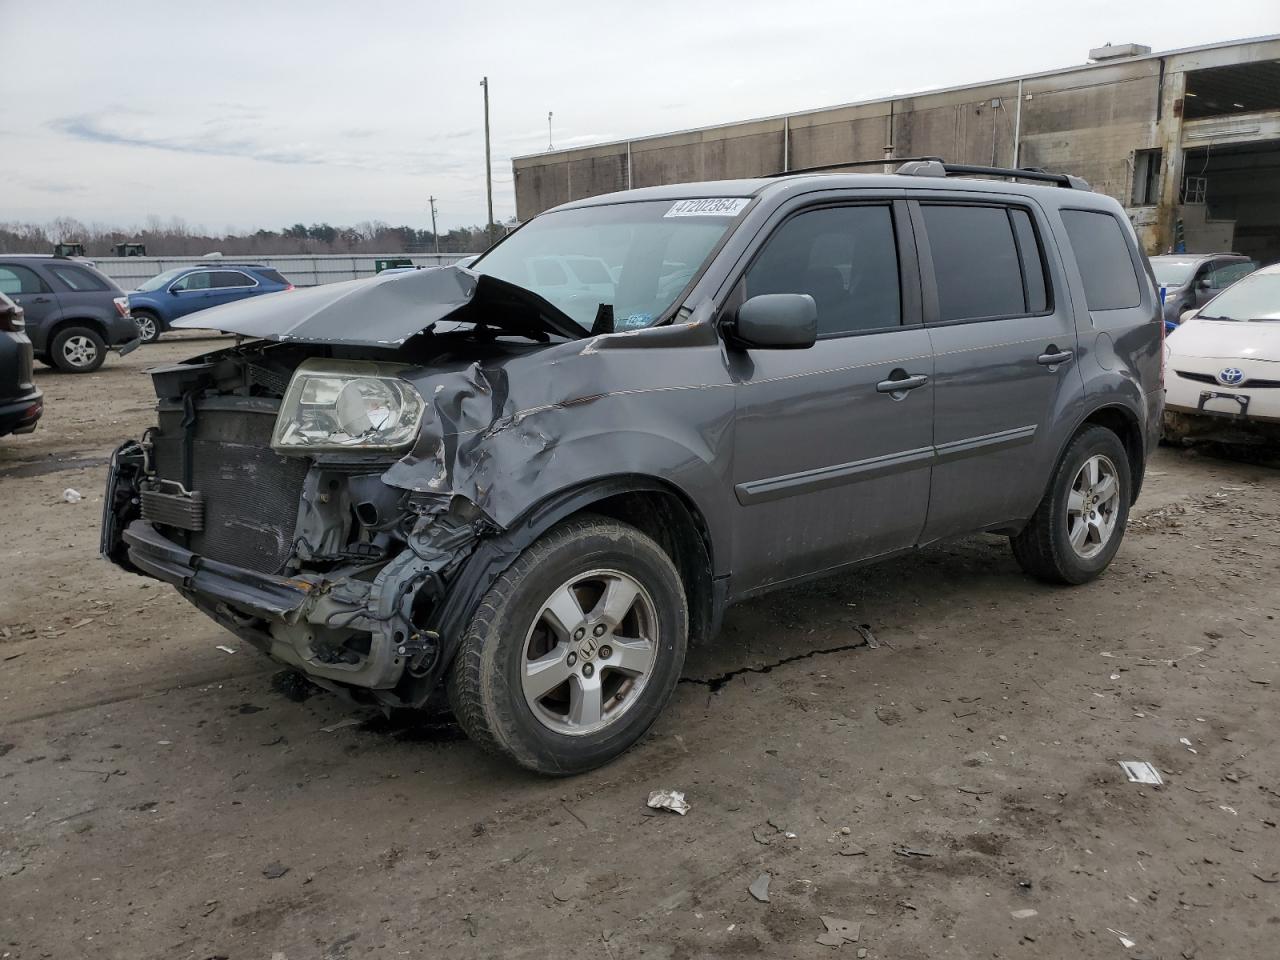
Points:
(840, 166)
(936, 167)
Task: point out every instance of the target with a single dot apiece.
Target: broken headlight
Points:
(343, 405)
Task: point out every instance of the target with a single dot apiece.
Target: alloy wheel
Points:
(146, 327)
(79, 351)
(590, 651)
(1093, 506)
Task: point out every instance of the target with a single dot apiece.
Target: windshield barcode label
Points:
(708, 207)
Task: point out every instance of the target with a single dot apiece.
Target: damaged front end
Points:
(260, 495)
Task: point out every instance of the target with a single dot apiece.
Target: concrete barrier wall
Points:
(300, 270)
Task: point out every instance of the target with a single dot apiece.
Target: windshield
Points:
(1171, 271)
(1253, 298)
(161, 280)
(633, 259)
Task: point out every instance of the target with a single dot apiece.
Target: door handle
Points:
(903, 385)
(1053, 359)
(40, 300)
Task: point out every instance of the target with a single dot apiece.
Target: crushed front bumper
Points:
(350, 626)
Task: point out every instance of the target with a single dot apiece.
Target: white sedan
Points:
(1222, 366)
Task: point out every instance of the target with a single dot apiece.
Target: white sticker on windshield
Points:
(708, 207)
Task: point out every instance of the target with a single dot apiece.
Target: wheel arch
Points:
(654, 506)
(1125, 423)
(77, 320)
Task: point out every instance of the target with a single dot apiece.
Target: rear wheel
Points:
(1079, 524)
(149, 326)
(574, 651)
(78, 350)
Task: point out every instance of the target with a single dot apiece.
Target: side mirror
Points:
(777, 321)
(1202, 283)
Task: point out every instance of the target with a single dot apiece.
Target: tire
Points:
(494, 684)
(150, 326)
(1045, 548)
(78, 350)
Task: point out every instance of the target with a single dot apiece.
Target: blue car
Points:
(175, 293)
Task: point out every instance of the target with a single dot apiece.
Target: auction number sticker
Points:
(708, 207)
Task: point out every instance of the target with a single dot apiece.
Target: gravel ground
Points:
(952, 789)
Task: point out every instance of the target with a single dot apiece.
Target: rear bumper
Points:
(21, 415)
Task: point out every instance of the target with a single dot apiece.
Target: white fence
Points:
(300, 270)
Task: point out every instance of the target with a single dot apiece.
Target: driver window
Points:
(843, 257)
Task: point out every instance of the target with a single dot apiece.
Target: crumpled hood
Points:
(1226, 340)
(386, 311)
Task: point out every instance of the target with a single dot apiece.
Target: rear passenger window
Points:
(975, 262)
(231, 278)
(77, 278)
(845, 258)
(1110, 281)
(17, 280)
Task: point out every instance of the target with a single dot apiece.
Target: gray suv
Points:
(529, 495)
(1187, 281)
(74, 313)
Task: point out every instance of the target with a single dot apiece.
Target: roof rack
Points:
(936, 167)
(840, 166)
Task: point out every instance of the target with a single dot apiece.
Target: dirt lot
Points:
(160, 797)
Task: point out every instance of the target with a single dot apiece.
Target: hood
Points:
(386, 311)
(1226, 340)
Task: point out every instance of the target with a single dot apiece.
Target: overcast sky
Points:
(240, 115)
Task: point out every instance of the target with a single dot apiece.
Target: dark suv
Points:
(74, 312)
(21, 402)
(533, 497)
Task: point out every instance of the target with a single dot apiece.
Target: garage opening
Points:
(1238, 88)
(1231, 200)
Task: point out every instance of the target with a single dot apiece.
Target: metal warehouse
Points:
(1188, 140)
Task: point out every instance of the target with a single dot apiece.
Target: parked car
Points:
(439, 479)
(1222, 366)
(1190, 280)
(176, 293)
(74, 312)
(21, 403)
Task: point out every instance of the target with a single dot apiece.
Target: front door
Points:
(36, 298)
(190, 293)
(831, 458)
(1004, 341)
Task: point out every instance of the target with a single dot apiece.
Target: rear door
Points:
(35, 296)
(1004, 346)
(830, 461)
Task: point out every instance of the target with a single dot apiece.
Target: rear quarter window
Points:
(1102, 254)
(77, 279)
(275, 276)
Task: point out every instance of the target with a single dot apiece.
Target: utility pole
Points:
(488, 166)
(550, 146)
(434, 235)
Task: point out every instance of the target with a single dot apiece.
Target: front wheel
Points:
(575, 649)
(1079, 524)
(149, 326)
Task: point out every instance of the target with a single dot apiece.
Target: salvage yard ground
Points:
(926, 749)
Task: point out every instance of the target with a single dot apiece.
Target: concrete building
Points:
(1188, 140)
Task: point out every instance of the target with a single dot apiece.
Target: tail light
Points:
(12, 320)
(122, 305)
(288, 288)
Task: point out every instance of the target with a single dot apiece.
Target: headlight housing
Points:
(347, 405)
